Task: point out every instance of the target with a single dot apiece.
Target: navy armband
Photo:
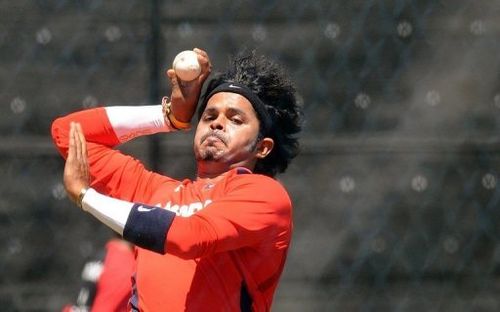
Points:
(147, 227)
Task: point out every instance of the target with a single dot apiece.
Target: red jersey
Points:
(228, 238)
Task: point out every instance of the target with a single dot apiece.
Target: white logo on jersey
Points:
(186, 210)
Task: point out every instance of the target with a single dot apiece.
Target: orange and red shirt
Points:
(228, 238)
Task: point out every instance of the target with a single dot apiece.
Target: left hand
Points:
(76, 169)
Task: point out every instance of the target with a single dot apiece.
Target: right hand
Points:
(185, 95)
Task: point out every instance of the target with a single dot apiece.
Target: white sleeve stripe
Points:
(110, 211)
(129, 122)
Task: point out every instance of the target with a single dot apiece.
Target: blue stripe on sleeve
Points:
(147, 227)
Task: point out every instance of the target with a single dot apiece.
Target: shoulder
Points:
(244, 177)
(258, 187)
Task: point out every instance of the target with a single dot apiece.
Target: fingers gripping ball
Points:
(186, 65)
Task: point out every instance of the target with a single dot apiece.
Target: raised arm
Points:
(112, 172)
(111, 126)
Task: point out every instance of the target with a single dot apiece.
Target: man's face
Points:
(227, 132)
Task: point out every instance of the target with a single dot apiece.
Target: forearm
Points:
(129, 122)
(142, 225)
(112, 125)
(148, 227)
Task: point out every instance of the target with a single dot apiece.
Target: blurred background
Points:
(396, 191)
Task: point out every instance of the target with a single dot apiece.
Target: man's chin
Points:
(211, 156)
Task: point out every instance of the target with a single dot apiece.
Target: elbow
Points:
(59, 135)
(185, 251)
(190, 238)
(184, 254)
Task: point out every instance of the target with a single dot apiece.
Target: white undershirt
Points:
(129, 122)
(110, 211)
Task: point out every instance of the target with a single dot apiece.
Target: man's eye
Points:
(208, 117)
(237, 121)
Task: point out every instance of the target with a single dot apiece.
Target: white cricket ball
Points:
(186, 65)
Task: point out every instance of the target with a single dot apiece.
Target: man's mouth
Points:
(213, 138)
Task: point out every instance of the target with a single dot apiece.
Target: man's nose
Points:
(217, 124)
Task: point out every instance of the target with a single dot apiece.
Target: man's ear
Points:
(264, 147)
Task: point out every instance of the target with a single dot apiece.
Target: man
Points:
(221, 240)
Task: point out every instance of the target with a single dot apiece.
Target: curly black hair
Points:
(270, 83)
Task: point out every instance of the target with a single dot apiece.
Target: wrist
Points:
(168, 113)
(79, 199)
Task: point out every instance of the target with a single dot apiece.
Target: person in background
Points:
(106, 279)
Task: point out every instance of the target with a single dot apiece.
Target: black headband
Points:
(246, 92)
